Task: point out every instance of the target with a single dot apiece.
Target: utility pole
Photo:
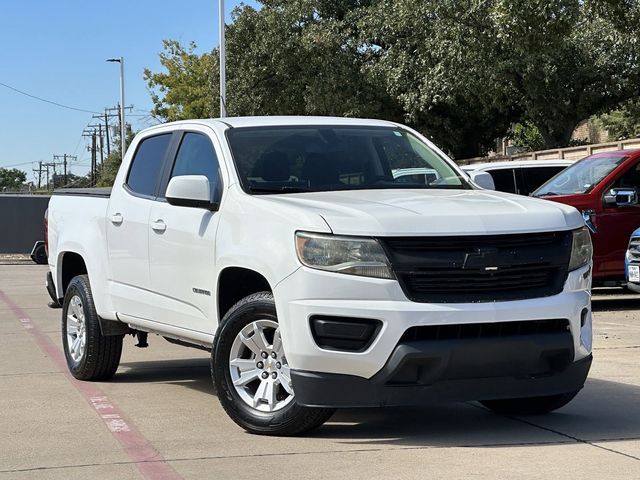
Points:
(101, 144)
(99, 127)
(122, 128)
(39, 172)
(106, 130)
(92, 149)
(93, 158)
(53, 178)
(66, 160)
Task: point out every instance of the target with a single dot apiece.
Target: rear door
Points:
(182, 242)
(127, 227)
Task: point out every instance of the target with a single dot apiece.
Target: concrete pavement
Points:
(159, 418)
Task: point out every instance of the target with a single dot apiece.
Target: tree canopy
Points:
(460, 71)
(12, 179)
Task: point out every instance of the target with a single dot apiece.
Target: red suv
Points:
(604, 187)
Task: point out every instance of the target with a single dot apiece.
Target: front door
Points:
(182, 245)
(615, 226)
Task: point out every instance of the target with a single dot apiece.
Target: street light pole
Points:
(223, 79)
(123, 127)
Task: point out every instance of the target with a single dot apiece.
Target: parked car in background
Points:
(604, 187)
(632, 261)
(423, 176)
(519, 176)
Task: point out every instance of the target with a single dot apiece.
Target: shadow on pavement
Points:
(190, 372)
(603, 411)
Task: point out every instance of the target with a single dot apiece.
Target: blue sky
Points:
(57, 50)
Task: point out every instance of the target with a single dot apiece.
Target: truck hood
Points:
(432, 212)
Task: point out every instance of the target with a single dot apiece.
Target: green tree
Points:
(460, 71)
(187, 88)
(527, 137)
(552, 63)
(12, 179)
(624, 122)
(109, 169)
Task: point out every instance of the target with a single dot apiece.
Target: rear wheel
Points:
(529, 405)
(90, 355)
(251, 372)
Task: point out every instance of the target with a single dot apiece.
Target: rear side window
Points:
(535, 177)
(504, 180)
(196, 156)
(147, 164)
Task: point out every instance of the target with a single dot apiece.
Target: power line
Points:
(16, 165)
(45, 100)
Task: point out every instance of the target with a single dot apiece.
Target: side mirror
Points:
(482, 179)
(621, 197)
(190, 191)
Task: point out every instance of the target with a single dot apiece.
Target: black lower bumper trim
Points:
(426, 372)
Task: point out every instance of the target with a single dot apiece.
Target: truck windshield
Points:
(326, 158)
(581, 177)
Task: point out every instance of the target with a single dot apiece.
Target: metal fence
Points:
(569, 153)
(21, 221)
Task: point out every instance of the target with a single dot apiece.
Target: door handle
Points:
(158, 226)
(117, 219)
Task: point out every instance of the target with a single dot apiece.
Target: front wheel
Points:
(90, 355)
(251, 372)
(529, 405)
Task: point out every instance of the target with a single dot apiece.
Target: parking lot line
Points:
(140, 451)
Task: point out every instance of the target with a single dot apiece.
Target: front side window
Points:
(581, 177)
(630, 179)
(196, 156)
(328, 158)
(146, 165)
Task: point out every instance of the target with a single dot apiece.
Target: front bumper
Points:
(315, 389)
(310, 292)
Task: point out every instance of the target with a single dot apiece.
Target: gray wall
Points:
(21, 222)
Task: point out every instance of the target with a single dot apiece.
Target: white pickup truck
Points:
(286, 247)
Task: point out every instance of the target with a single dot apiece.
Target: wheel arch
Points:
(235, 283)
(70, 264)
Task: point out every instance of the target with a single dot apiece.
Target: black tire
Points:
(292, 419)
(101, 355)
(529, 405)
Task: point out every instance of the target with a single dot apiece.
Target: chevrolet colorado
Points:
(317, 278)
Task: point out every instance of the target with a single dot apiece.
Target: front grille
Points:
(634, 249)
(480, 269)
(485, 330)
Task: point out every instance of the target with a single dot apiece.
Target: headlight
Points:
(582, 249)
(351, 255)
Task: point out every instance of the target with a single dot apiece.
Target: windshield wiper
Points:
(548, 194)
(284, 189)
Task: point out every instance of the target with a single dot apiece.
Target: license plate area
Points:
(634, 273)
